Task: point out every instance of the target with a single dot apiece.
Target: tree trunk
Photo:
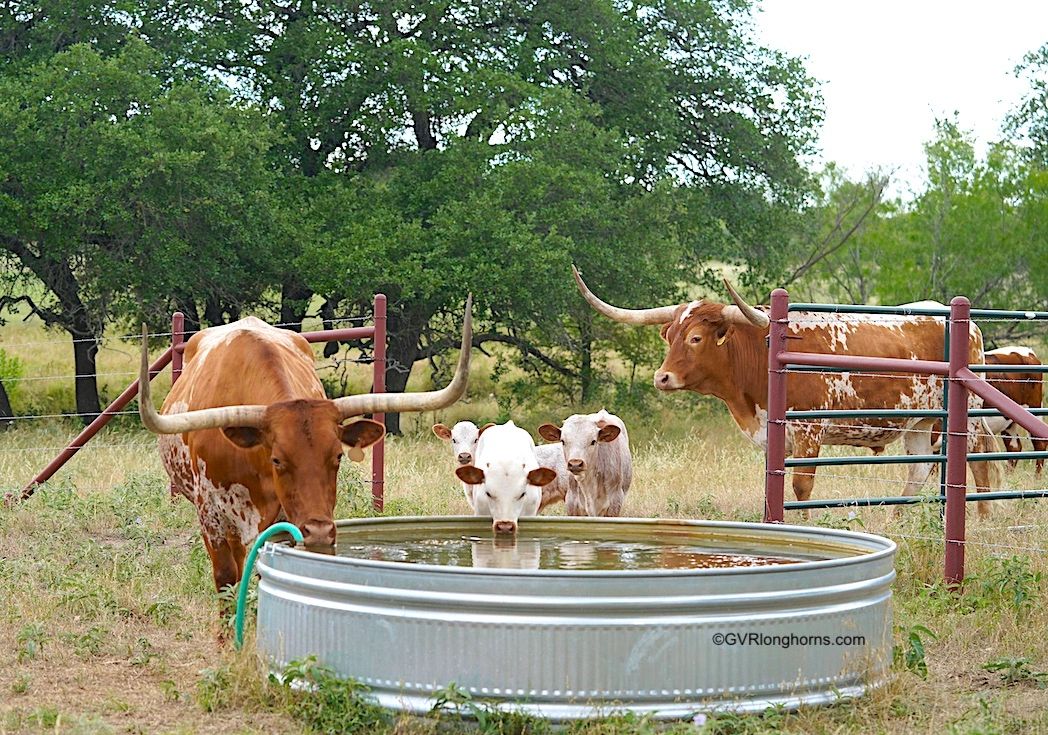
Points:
(188, 307)
(213, 312)
(294, 302)
(402, 352)
(85, 350)
(6, 413)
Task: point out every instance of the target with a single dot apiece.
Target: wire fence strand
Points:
(138, 337)
(970, 542)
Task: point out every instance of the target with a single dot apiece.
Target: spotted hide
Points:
(1026, 389)
(248, 436)
(721, 350)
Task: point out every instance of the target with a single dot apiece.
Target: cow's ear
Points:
(609, 433)
(484, 428)
(363, 433)
(663, 330)
(442, 431)
(550, 432)
(723, 332)
(541, 476)
(245, 437)
(470, 475)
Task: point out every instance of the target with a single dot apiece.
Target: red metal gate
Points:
(173, 355)
(960, 380)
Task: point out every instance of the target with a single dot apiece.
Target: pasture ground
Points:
(108, 622)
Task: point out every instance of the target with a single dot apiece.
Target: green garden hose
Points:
(249, 567)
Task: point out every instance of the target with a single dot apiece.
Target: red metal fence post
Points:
(957, 444)
(378, 452)
(178, 336)
(775, 455)
(90, 430)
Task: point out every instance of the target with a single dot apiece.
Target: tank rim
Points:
(880, 547)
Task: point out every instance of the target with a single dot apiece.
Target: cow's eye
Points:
(593, 442)
(488, 493)
(276, 462)
(695, 339)
(521, 496)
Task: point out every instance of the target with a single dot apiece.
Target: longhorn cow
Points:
(248, 436)
(721, 350)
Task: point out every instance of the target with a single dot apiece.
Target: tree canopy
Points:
(216, 157)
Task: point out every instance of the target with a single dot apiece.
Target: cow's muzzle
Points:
(318, 534)
(576, 466)
(667, 380)
(465, 458)
(504, 526)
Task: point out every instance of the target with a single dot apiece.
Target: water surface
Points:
(450, 548)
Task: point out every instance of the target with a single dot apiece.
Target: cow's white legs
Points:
(918, 441)
(573, 502)
(805, 445)
(986, 474)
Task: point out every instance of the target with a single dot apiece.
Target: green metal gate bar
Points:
(911, 500)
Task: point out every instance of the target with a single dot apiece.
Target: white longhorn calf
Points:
(463, 438)
(597, 452)
(506, 477)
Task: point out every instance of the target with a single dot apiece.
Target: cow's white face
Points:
(506, 477)
(581, 437)
(463, 438)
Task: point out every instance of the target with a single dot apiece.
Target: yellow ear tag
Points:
(722, 339)
(356, 454)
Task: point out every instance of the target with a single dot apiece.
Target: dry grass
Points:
(109, 624)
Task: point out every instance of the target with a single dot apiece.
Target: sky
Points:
(889, 68)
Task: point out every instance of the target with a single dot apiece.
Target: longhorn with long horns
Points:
(740, 312)
(254, 415)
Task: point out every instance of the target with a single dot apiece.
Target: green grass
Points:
(109, 621)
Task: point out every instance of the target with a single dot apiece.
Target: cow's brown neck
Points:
(747, 390)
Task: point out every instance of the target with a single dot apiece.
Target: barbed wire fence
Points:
(41, 430)
(1027, 534)
(20, 459)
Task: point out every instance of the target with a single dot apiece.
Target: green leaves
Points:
(910, 654)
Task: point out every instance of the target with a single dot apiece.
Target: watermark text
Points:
(785, 640)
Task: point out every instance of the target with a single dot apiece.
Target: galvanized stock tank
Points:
(574, 643)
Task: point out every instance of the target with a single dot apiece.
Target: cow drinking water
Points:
(463, 438)
(506, 476)
(249, 437)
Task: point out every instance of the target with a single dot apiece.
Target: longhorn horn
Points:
(742, 312)
(178, 423)
(658, 315)
(428, 401)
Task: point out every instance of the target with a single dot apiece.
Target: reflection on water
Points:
(500, 553)
(553, 552)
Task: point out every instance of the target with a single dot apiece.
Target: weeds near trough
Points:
(325, 703)
(489, 718)
(1017, 671)
(1008, 583)
(910, 655)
